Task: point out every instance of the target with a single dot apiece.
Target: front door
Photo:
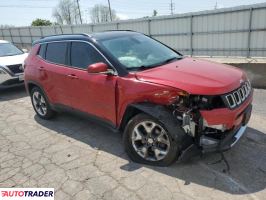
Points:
(92, 93)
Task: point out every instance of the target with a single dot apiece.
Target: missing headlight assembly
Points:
(186, 109)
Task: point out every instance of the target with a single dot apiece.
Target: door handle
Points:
(41, 68)
(72, 76)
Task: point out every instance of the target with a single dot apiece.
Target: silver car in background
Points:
(11, 65)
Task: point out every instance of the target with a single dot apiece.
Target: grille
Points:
(238, 96)
(15, 69)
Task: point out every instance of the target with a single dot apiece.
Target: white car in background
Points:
(11, 65)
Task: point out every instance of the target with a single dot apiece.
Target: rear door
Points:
(92, 93)
(55, 74)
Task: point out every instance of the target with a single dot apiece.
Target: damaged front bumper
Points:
(230, 124)
(229, 141)
(231, 136)
(206, 143)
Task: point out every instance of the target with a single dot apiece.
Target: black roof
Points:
(111, 34)
(83, 36)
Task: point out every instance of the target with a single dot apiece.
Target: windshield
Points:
(139, 51)
(7, 49)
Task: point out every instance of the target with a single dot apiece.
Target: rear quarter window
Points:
(42, 49)
(56, 52)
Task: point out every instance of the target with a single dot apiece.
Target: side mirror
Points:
(25, 50)
(99, 68)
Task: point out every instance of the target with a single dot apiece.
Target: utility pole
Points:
(216, 5)
(172, 7)
(110, 10)
(79, 12)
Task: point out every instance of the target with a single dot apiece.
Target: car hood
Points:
(12, 60)
(195, 76)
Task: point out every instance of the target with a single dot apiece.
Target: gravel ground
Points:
(83, 160)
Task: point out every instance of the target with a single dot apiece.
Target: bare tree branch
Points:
(66, 12)
(100, 13)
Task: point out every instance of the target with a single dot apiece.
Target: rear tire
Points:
(147, 141)
(41, 104)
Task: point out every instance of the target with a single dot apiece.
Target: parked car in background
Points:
(166, 105)
(11, 65)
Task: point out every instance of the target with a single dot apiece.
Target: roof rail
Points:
(119, 30)
(83, 34)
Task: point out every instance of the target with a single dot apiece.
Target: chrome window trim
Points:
(57, 41)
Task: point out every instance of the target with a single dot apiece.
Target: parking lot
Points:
(84, 160)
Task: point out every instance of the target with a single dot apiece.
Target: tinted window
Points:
(83, 54)
(42, 50)
(56, 52)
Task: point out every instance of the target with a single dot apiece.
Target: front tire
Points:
(147, 141)
(41, 104)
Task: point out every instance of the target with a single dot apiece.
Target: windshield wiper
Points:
(171, 59)
(143, 67)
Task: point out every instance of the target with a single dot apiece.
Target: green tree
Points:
(41, 22)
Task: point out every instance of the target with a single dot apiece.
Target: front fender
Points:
(165, 116)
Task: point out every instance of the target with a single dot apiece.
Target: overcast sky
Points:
(22, 12)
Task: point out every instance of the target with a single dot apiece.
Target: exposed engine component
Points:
(186, 110)
(184, 114)
(188, 124)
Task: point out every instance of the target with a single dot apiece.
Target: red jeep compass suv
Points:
(166, 105)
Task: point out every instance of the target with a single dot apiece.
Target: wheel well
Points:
(31, 86)
(129, 114)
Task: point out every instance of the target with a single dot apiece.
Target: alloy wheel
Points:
(150, 141)
(39, 103)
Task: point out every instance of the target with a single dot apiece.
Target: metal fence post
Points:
(149, 27)
(92, 28)
(61, 29)
(249, 32)
(41, 31)
(20, 38)
(3, 37)
(117, 26)
(31, 39)
(11, 35)
(71, 27)
(191, 35)
(55, 32)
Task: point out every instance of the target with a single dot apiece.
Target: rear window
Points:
(56, 52)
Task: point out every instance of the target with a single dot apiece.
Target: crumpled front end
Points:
(215, 123)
